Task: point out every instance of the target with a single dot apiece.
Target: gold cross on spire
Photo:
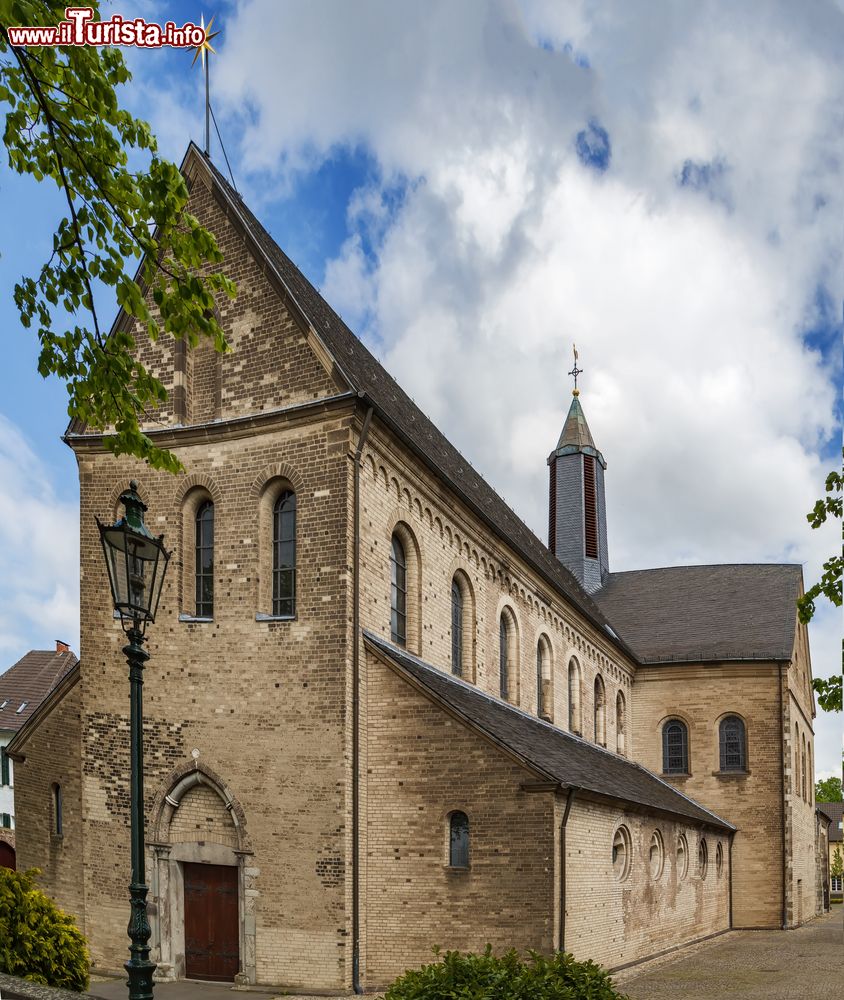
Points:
(575, 372)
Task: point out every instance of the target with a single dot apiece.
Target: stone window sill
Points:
(456, 869)
(730, 774)
(260, 617)
(676, 777)
(194, 620)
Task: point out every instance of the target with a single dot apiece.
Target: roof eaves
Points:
(68, 680)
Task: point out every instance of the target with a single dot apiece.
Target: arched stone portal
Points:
(196, 821)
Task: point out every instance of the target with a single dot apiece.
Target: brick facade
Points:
(249, 718)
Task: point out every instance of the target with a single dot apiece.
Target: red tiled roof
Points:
(29, 682)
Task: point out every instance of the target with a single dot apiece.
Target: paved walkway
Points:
(748, 965)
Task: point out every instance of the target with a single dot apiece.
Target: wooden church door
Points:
(212, 925)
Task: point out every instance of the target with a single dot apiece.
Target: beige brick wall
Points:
(700, 696)
(53, 758)
(615, 922)
(421, 765)
(449, 539)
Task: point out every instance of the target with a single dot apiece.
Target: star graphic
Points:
(206, 45)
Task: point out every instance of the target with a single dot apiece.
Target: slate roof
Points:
(694, 613)
(29, 682)
(835, 812)
(569, 760)
(367, 376)
(575, 430)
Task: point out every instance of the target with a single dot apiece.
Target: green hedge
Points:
(458, 976)
(38, 941)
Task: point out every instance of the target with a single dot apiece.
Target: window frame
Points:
(283, 606)
(457, 626)
(599, 711)
(667, 767)
(5, 769)
(724, 753)
(575, 696)
(203, 526)
(398, 591)
(58, 810)
(460, 854)
(544, 679)
(620, 724)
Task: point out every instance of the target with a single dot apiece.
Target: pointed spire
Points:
(576, 431)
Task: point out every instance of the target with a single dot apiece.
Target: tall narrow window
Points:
(398, 592)
(58, 818)
(458, 852)
(503, 659)
(574, 697)
(6, 821)
(796, 779)
(205, 560)
(804, 770)
(590, 507)
(600, 721)
(5, 778)
(731, 741)
(675, 747)
(456, 629)
(544, 699)
(810, 784)
(284, 555)
(620, 723)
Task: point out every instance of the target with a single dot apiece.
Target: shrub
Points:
(38, 941)
(489, 977)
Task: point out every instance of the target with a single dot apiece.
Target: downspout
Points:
(562, 935)
(730, 886)
(782, 801)
(356, 986)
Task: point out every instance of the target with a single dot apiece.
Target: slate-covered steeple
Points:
(577, 511)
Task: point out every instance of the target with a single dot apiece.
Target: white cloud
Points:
(39, 539)
(687, 305)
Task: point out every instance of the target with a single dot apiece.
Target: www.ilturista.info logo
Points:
(80, 28)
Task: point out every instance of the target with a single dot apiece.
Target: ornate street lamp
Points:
(137, 562)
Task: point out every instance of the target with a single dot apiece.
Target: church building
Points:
(381, 714)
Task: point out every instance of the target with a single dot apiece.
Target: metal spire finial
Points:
(202, 51)
(575, 372)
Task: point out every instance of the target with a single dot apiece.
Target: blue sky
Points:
(476, 186)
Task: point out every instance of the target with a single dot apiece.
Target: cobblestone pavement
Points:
(748, 965)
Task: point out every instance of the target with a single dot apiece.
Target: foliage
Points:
(828, 790)
(38, 941)
(828, 689)
(458, 976)
(64, 124)
(837, 868)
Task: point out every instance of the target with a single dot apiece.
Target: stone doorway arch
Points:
(196, 820)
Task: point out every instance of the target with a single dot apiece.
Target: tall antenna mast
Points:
(202, 51)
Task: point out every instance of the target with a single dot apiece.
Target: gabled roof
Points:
(835, 812)
(559, 756)
(29, 682)
(367, 376)
(705, 613)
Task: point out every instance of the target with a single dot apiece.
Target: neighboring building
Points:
(835, 812)
(381, 714)
(23, 687)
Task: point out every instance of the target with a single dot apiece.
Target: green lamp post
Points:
(137, 562)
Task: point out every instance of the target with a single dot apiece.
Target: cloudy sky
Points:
(477, 185)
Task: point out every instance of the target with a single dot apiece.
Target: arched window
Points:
(675, 747)
(398, 592)
(682, 857)
(503, 658)
(656, 855)
(796, 781)
(458, 840)
(620, 722)
(803, 782)
(702, 858)
(731, 742)
(575, 721)
(544, 696)
(204, 561)
(456, 629)
(810, 784)
(600, 721)
(719, 859)
(58, 819)
(284, 555)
